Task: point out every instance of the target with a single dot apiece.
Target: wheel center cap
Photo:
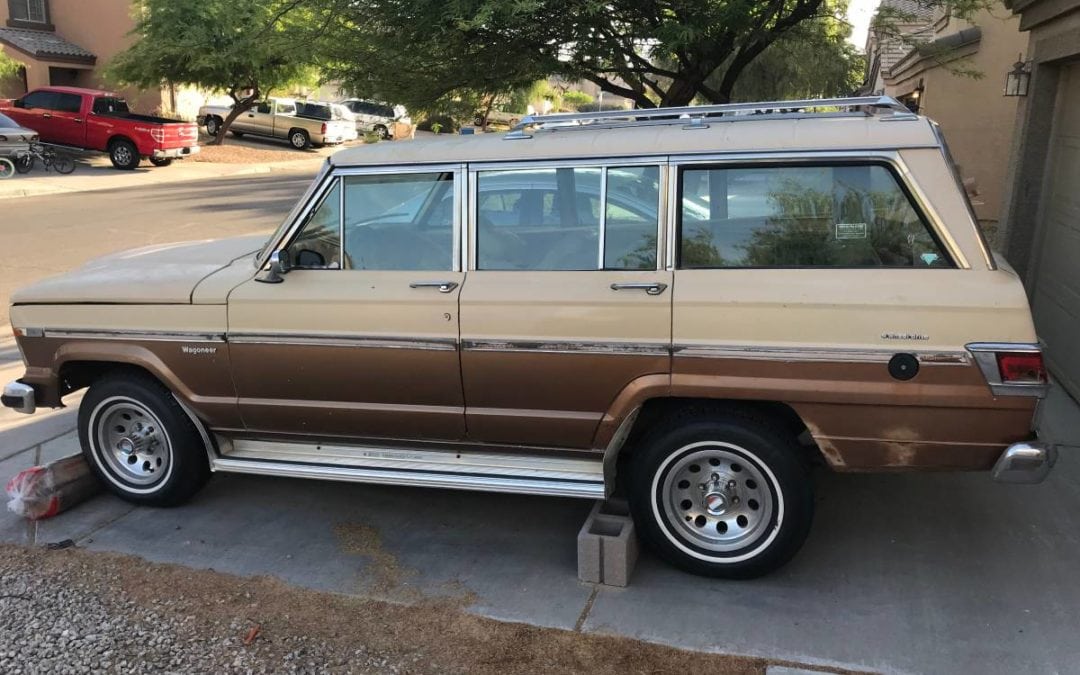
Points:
(715, 503)
(127, 446)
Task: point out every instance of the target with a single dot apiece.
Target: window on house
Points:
(32, 11)
(801, 216)
(583, 218)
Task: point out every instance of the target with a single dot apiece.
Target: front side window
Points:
(801, 216)
(389, 222)
(42, 100)
(580, 218)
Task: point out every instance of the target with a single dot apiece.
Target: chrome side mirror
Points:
(279, 267)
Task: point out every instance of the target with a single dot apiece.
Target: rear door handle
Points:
(650, 287)
(46, 116)
(443, 286)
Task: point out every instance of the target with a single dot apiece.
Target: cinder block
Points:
(607, 545)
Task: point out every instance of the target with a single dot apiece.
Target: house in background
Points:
(883, 49)
(955, 74)
(68, 42)
(1041, 218)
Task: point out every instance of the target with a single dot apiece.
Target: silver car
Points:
(14, 139)
(372, 116)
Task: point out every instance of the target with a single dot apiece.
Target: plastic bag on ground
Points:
(44, 491)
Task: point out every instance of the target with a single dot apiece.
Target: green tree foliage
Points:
(9, 67)
(576, 99)
(812, 60)
(245, 48)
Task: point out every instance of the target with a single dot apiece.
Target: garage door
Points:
(1057, 289)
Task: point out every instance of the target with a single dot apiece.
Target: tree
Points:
(9, 67)
(246, 48)
(812, 60)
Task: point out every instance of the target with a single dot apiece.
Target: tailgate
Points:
(177, 135)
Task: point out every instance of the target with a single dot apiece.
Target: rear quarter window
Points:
(829, 215)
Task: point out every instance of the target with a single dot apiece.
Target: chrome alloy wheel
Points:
(299, 140)
(716, 498)
(131, 441)
(122, 154)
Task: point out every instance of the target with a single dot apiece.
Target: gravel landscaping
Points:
(73, 611)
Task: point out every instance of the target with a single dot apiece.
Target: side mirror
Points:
(279, 267)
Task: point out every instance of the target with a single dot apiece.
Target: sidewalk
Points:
(96, 173)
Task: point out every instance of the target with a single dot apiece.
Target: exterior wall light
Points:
(1017, 79)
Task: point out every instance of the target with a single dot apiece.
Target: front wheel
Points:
(24, 163)
(721, 494)
(124, 155)
(213, 126)
(382, 131)
(161, 161)
(140, 442)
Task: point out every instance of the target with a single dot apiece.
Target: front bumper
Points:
(19, 397)
(1027, 462)
(176, 152)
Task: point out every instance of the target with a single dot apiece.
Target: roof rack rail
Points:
(696, 116)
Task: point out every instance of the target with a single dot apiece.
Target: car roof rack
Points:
(698, 116)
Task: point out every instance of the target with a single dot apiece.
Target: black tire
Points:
(299, 139)
(674, 512)
(213, 125)
(124, 154)
(382, 131)
(63, 164)
(167, 462)
(24, 163)
(161, 161)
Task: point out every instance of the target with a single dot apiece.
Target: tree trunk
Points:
(240, 106)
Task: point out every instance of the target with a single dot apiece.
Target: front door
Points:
(565, 304)
(359, 340)
(67, 120)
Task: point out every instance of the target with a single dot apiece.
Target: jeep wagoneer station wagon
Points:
(689, 306)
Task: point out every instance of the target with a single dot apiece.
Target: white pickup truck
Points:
(303, 124)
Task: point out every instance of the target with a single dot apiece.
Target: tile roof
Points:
(45, 45)
(919, 9)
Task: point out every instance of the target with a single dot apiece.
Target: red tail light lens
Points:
(1021, 367)
(323, 130)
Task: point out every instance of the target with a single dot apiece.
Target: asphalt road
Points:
(44, 236)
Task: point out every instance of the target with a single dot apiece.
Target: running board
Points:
(460, 470)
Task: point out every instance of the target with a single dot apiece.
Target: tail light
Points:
(158, 134)
(1012, 369)
(323, 129)
(3, 138)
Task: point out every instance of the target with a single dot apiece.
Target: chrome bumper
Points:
(19, 397)
(1026, 462)
(176, 152)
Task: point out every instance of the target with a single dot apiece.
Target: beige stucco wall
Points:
(976, 117)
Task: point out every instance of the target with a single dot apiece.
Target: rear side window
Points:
(110, 105)
(580, 218)
(850, 215)
(70, 103)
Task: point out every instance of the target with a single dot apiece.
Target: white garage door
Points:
(1057, 285)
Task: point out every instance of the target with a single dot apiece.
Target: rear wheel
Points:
(124, 154)
(382, 131)
(63, 164)
(161, 161)
(24, 163)
(721, 494)
(299, 139)
(7, 168)
(213, 126)
(140, 442)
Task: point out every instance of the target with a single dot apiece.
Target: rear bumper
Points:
(176, 152)
(1027, 462)
(19, 397)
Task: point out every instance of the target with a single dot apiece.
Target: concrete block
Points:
(607, 545)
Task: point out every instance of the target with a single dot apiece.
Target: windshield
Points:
(7, 122)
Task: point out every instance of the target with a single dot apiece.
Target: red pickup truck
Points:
(92, 119)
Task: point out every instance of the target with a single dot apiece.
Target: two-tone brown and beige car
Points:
(686, 306)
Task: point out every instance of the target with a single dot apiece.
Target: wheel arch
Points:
(115, 138)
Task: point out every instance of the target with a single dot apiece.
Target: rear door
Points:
(566, 302)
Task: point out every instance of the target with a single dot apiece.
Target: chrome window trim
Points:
(890, 157)
(298, 209)
(602, 235)
(582, 162)
(671, 215)
(950, 162)
(985, 355)
(568, 347)
(124, 334)
(362, 341)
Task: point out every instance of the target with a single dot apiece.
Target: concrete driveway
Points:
(902, 573)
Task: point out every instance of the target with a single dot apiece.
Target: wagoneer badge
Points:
(187, 349)
(904, 336)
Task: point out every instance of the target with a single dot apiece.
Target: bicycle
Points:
(50, 159)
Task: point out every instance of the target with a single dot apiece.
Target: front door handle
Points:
(443, 286)
(650, 287)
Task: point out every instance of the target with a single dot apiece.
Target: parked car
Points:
(678, 310)
(15, 139)
(283, 118)
(94, 119)
(372, 116)
(498, 117)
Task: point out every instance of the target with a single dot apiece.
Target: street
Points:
(902, 573)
